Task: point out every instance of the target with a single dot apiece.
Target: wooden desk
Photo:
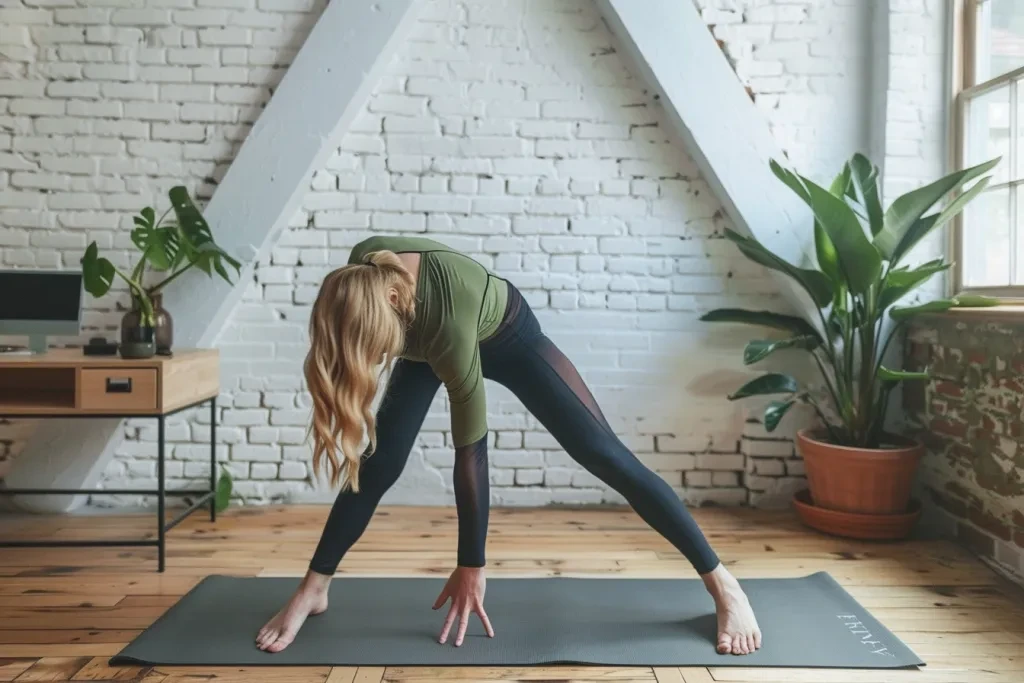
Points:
(67, 383)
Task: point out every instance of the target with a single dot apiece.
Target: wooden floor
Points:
(64, 612)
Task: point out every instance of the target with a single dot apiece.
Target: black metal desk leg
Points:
(160, 495)
(213, 458)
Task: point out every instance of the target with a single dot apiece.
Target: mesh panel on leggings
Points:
(472, 501)
(564, 368)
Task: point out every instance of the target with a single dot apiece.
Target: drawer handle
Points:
(119, 385)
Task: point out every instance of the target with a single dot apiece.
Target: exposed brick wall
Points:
(969, 415)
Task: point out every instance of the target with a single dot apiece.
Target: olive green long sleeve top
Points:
(459, 303)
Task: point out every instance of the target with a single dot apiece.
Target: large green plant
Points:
(855, 287)
(167, 246)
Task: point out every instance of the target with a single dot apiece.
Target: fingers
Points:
(483, 618)
(463, 625)
(449, 620)
(441, 599)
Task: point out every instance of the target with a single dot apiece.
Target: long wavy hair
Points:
(357, 325)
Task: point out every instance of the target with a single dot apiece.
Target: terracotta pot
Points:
(854, 525)
(864, 480)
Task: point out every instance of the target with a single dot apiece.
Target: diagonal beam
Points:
(330, 79)
(729, 140)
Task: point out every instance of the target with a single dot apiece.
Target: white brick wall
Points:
(524, 140)
(509, 129)
(917, 121)
(806, 62)
(104, 107)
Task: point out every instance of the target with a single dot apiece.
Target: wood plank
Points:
(98, 670)
(59, 600)
(369, 674)
(230, 674)
(667, 675)
(70, 636)
(52, 669)
(524, 673)
(342, 674)
(53, 650)
(12, 668)
(696, 675)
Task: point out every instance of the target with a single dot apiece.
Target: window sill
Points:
(1010, 311)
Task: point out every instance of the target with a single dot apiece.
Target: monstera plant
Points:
(168, 245)
(857, 285)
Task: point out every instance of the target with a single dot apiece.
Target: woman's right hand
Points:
(465, 588)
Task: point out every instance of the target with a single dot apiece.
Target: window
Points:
(990, 235)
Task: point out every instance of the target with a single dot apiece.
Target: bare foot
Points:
(309, 599)
(738, 633)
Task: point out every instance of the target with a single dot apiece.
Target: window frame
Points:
(965, 41)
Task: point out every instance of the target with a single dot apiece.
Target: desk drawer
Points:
(128, 389)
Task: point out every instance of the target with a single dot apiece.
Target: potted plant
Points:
(168, 246)
(853, 465)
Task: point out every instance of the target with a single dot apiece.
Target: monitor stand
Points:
(37, 343)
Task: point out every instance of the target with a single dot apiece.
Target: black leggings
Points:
(520, 357)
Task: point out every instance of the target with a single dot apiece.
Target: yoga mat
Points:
(808, 622)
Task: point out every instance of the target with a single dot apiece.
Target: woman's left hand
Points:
(466, 588)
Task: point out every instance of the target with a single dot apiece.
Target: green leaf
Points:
(190, 220)
(759, 349)
(774, 413)
(960, 301)
(778, 321)
(196, 237)
(791, 179)
(887, 375)
(858, 259)
(219, 267)
(865, 178)
(771, 383)
(222, 498)
(815, 282)
(97, 272)
(158, 246)
(902, 281)
(975, 301)
(922, 226)
(828, 259)
(907, 209)
(841, 185)
(905, 312)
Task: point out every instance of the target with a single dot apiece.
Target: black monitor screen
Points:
(29, 295)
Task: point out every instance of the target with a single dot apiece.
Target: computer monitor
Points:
(38, 303)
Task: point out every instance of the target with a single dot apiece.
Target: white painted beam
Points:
(330, 79)
(675, 52)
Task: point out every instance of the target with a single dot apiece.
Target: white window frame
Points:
(965, 32)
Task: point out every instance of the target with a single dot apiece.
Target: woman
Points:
(450, 321)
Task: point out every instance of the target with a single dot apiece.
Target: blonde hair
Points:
(358, 322)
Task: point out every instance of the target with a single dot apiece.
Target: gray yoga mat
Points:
(808, 622)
